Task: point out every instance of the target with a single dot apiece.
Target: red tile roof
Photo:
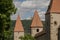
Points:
(36, 20)
(55, 6)
(18, 25)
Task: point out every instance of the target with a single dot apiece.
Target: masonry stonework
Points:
(54, 25)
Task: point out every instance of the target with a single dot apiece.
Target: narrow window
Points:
(37, 30)
(55, 23)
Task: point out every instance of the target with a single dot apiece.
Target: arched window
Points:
(37, 30)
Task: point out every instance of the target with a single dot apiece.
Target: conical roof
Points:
(54, 6)
(36, 20)
(18, 25)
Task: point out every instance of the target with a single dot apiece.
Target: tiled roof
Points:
(54, 6)
(36, 20)
(18, 25)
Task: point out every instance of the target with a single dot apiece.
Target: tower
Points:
(53, 19)
(36, 25)
(18, 30)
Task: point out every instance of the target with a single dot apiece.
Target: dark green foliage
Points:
(7, 35)
(26, 25)
(27, 37)
(6, 9)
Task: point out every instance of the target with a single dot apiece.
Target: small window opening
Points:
(37, 30)
(55, 23)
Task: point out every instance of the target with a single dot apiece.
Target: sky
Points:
(26, 8)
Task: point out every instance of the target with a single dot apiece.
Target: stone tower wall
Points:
(34, 31)
(47, 25)
(17, 35)
(54, 25)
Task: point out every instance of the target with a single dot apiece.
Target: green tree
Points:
(7, 8)
(27, 37)
(7, 35)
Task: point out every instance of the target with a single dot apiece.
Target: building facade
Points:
(51, 31)
(53, 19)
(52, 22)
(36, 26)
(18, 30)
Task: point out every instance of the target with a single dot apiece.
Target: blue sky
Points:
(26, 8)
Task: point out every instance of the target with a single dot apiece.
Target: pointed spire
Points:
(54, 6)
(36, 22)
(18, 25)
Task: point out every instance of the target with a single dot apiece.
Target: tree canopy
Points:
(7, 8)
(27, 37)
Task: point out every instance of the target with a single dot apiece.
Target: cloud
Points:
(28, 4)
(26, 8)
(42, 15)
(35, 4)
(17, 4)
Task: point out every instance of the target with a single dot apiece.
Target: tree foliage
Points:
(7, 35)
(27, 37)
(7, 8)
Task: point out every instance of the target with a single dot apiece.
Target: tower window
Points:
(55, 23)
(37, 30)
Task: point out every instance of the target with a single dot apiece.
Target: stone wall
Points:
(17, 35)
